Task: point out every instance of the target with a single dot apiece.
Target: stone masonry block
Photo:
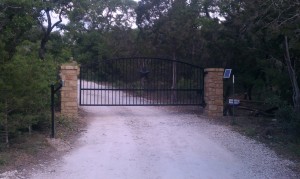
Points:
(69, 67)
(63, 100)
(69, 102)
(70, 77)
(219, 91)
(213, 92)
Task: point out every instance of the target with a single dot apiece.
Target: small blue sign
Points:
(234, 102)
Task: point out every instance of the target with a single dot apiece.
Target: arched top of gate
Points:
(143, 58)
(158, 59)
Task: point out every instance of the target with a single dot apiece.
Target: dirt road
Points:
(157, 143)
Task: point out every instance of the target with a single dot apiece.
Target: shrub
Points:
(288, 119)
(25, 95)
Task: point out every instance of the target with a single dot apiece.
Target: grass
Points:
(66, 126)
(3, 159)
(294, 148)
(251, 132)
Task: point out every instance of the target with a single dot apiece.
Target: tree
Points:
(46, 10)
(168, 24)
(23, 79)
(101, 29)
(24, 89)
(16, 18)
(281, 18)
(102, 15)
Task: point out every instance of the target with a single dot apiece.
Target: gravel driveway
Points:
(155, 142)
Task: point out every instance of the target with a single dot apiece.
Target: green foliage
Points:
(57, 48)
(102, 15)
(251, 132)
(287, 117)
(290, 121)
(295, 148)
(16, 17)
(186, 84)
(170, 27)
(25, 83)
(24, 79)
(3, 160)
(64, 121)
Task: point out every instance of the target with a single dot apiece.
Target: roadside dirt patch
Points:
(59, 144)
(25, 152)
(31, 152)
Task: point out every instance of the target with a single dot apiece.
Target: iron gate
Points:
(141, 82)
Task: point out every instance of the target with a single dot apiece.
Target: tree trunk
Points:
(174, 79)
(47, 31)
(6, 124)
(29, 129)
(249, 93)
(292, 76)
(42, 50)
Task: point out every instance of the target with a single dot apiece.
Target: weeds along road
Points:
(155, 142)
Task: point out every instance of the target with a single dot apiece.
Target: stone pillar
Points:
(213, 92)
(69, 98)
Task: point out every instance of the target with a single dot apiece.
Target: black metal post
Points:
(52, 112)
(233, 117)
(53, 91)
(80, 85)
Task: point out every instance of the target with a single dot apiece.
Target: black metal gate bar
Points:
(141, 82)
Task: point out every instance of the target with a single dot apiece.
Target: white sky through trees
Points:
(65, 20)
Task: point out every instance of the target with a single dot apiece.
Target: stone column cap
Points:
(214, 70)
(69, 66)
